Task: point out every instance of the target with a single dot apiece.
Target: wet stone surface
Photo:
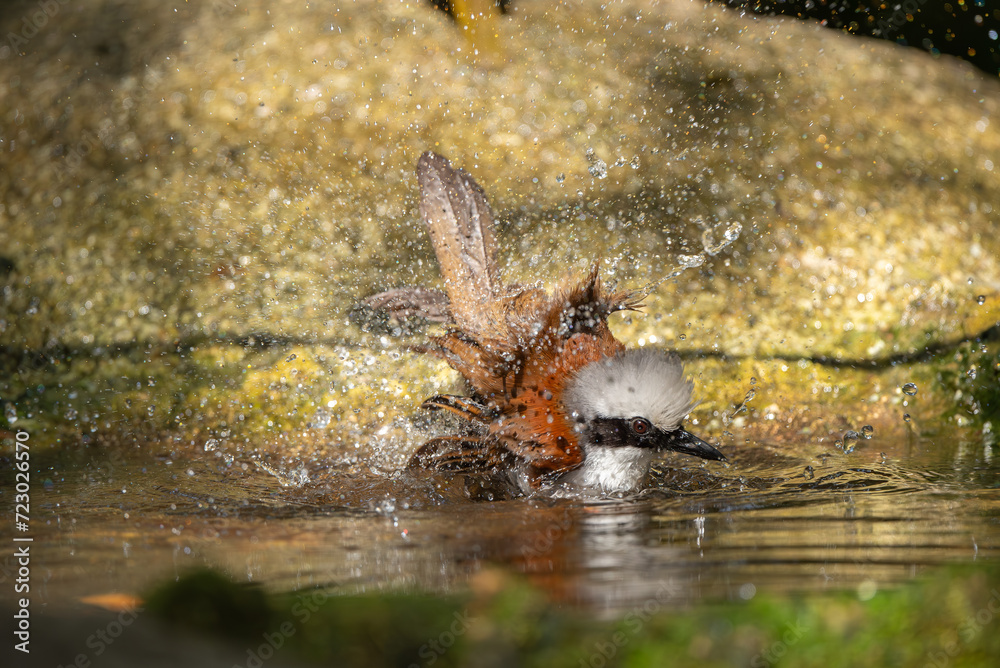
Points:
(177, 199)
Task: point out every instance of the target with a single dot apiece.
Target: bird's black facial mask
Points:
(637, 432)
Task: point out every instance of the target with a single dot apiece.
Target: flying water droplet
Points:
(598, 169)
(909, 389)
(689, 261)
(732, 232)
(743, 405)
(386, 507)
(906, 417)
(867, 432)
(320, 419)
(981, 299)
(211, 444)
(10, 413)
(850, 440)
(809, 473)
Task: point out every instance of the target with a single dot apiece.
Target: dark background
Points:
(967, 29)
(961, 29)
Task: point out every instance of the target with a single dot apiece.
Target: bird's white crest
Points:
(647, 383)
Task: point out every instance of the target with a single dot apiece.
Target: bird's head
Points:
(638, 399)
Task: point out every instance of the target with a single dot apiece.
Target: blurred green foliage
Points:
(949, 617)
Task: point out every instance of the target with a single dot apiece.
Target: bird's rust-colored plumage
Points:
(515, 346)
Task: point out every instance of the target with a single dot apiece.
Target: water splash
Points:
(850, 441)
(321, 419)
(598, 168)
(729, 235)
(743, 405)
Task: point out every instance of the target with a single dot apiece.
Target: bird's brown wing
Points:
(465, 407)
(535, 426)
(408, 302)
(459, 453)
(460, 223)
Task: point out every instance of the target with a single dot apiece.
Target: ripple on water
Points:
(770, 520)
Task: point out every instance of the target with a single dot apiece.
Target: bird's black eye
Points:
(640, 426)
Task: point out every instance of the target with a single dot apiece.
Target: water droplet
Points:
(981, 299)
(909, 389)
(689, 261)
(291, 357)
(10, 413)
(320, 419)
(732, 232)
(70, 414)
(560, 178)
(809, 473)
(599, 169)
(867, 432)
(850, 440)
(971, 373)
(906, 417)
(211, 444)
(150, 410)
(635, 163)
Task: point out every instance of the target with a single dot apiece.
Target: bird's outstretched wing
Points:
(460, 223)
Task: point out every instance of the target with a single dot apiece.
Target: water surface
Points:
(777, 518)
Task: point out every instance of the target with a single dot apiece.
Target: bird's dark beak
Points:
(680, 440)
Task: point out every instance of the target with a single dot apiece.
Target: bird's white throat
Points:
(610, 469)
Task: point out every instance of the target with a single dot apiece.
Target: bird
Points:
(555, 401)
